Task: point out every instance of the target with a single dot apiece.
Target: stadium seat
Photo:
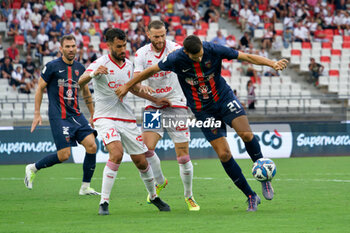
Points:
(316, 45)
(346, 38)
(103, 46)
(295, 52)
(334, 73)
(213, 26)
(19, 40)
(258, 33)
(327, 45)
(346, 45)
(335, 52)
(69, 6)
(69, 13)
(3, 27)
(306, 45)
(296, 45)
(225, 73)
(323, 81)
(325, 59)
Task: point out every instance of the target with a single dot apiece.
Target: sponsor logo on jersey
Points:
(164, 90)
(204, 91)
(139, 138)
(114, 85)
(207, 64)
(69, 93)
(111, 72)
(149, 62)
(161, 74)
(76, 72)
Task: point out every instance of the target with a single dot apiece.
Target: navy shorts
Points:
(225, 110)
(66, 132)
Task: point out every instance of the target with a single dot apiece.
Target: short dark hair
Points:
(115, 33)
(156, 24)
(66, 37)
(192, 44)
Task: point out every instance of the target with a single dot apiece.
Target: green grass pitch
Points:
(311, 195)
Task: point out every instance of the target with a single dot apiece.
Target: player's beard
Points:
(69, 56)
(158, 46)
(118, 57)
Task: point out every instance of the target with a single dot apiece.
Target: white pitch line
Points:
(195, 178)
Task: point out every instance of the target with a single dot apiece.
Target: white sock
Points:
(109, 175)
(33, 168)
(148, 180)
(154, 161)
(186, 173)
(85, 185)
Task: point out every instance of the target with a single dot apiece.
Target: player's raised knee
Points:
(91, 148)
(224, 155)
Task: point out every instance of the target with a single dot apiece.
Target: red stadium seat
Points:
(103, 45)
(328, 31)
(176, 19)
(204, 25)
(201, 32)
(306, 45)
(336, 52)
(346, 38)
(86, 41)
(16, 5)
(124, 26)
(179, 39)
(334, 73)
(327, 45)
(346, 45)
(295, 52)
(68, 13)
(146, 18)
(19, 40)
(325, 59)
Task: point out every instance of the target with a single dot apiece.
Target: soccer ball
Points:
(264, 169)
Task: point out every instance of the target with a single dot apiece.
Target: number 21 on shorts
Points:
(234, 106)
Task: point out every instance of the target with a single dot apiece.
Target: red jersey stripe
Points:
(63, 107)
(213, 89)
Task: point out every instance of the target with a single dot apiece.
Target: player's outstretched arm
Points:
(259, 60)
(123, 90)
(143, 92)
(38, 99)
(89, 103)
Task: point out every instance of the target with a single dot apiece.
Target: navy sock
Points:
(253, 149)
(89, 167)
(235, 173)
(47, 161)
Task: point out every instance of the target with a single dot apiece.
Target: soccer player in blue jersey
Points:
(198, 66)
(68, 124)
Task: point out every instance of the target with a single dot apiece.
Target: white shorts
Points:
(126, 132)
(177, 134)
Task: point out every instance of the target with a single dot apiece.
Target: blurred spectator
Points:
(244, 14)
(42, 37)
(316, 70)
(6, 68)
(340, 5)
(329, 21)
(92, 30)
(67, 30)
(211, 15)
(271, 72)
(346, 21)
(169, 7)
(13, 52)
(29, 67)
(46, 24)
(78, 11)
(17, 80)
(59, 8)
(36, 18)
(178, 7)
(31, 41)
(270, 15)
(268, 38)
(140, 36)
(152, 8)
(26, 25)
(13, 16)
(263, 53)
(66, 22)
(338, 20)
(137, 12)
(78, 37)
(234, 8)
(14, 29)
(253, 22)
(54, 31)
(54, 46)
(53, 15)
(287, 37)
(6, 11)
(43, 50)
(24, 10)
(109, 13)
(311, 25)
(127, 15)
(244, 41)
(50, 4)
(84, 26)
(320, 35)
(90, 13)
(110, 26)
(136, 45)
(246, 69)
(302, 12)
(251, 95)
(288, 21)
(186, 20)
(231, 42)
(281, 9)
(301, 33)
(219, 39)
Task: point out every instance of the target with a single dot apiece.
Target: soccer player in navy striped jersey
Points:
(198, 66)
(68, 125)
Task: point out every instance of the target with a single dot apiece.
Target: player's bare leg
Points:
(151, 139)
(186, 174)
(110, 171)
(146, 174)
(242, 127)
(233, 170)
(88, 165)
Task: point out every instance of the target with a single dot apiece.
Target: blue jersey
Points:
(62, 87)
(201, 82)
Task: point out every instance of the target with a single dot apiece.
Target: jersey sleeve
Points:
(225, 52)
(47, 72)
(138, 62)
(168, 63)
(92, 67)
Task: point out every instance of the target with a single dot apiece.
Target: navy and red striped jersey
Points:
(62, 87)
(201, 82)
